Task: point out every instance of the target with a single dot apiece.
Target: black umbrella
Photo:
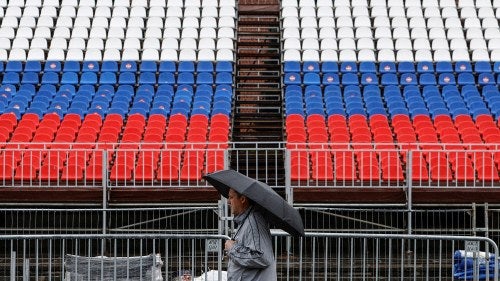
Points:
(281, 214)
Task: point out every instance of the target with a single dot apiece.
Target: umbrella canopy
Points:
(281, 214)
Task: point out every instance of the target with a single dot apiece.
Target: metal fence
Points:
(318, 256)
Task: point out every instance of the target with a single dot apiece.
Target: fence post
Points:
(409, 182)
(12, 265)
(104, 189)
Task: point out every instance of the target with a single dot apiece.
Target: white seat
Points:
(192, 12)
(379, 11)
(135, 43)
(188, 43)
(485, 12)
(292, 55)
(58, 43)
(468, 12)
(189, 33)
(414, 12)
(426, 55)
(113, 43)
(187, 55)
(386, 55)
(347, 55)
(138, 12)
(175, 3)
(461, 55)
(51, 11)
(472, 33)
(310, 55)
(307, 12)
(20, 43)
(148, 43)
(403, 44)
(309, 33)
(4, 44)
(327, 32)
(103, 12)
(206, 43)
(325, 3)
(224, 43)
(154, 22)
(119, 22)
(472, 23)
(7, 32)
(231, 3)
(45, 22)
(366, 55)
(343, 11)
(455, 32)
(130, 54)
(208, 22)
(116, 32)
(465, 3)
(309, 22)
(172, 22)
(324, 12)
(347, 44)
(345, 32)
(150, 54)
(493, 44)
(363, 32)
(190, 22)
(474, 44)
(385, 44)
(100, 22)
(362, 22)
(383, 32)
(226, 22)
(209, 32)
(225, 32)
(431, 12)
(289, 12)
(360, 11)
(74, 55)
(449, 12)
(491, 33)
(159, 3)
(109, 55)
(417, 22)
(381, 21)
(396, 11)
(152, 32)
(36, 54)
(344, 21)
(98, 32)
(93, 55)
(70, 3)
(290, 22)
(27, 32)
(192, 3)
(436, 32)
(225, 55)
(329, 55)
(209, 11)
(416, 4)
(170, 43)
(404, 55)
(430, 3)
(169, 55)
(307, 3)
(174, 11)
(33, 3)
(399, 22)
(134, 32)
(90, 3)
(419, 32)
(495, 55)
(80, 32)
(95, 43)
(310, 44)
(64, 22)
(342, 3)
(328, 44)
(489, 23)
(292, 43)
(440, 44)
(56, 54)
(289, 3)
(356, 3)
(156, 12)
(421, 44)
(483, 3)
(447, 3)
(76, 43)
(206, 55)
(28, 22)
(9, 21)
(453, 22)
(44, 32)
(435, 22)
(291, 32)
(441, 55)
(105, 3)
(84, 11)
(479, 55)
(13, 12)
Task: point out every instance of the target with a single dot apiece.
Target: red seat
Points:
(168, 173)
(144, 172)
(441, 172)
(191, 171)
(27, 172)
(72, 173)
(49, 172)
(345, 172)
(121, 172)
(487, 172)
(6, 170)
(93, 172)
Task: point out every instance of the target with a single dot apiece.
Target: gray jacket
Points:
(251, 257)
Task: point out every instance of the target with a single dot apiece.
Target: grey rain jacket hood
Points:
(251, 257)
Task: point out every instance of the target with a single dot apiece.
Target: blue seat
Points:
(389, 79)
(329, 66)
(224, 78)
(408, 79)
(109, 66)
(466, 78)
(184, 90)
(486, 79)
(224, 66)
(87, 89)
(167, 66)
(52, 66)
(128, 66)
(185, 78)
(348, 67)
(87, 78)
(120, 111)
(387, 67)
(291, 66)
(30, 78)
(310, 66)
(330, 79)
(37, 111)
(106, 78)
(71, 66)
(204, 66)
(95, 110)
(367, 66)
(11, 78)
(148, 78)
(444, 66)
(166, 78)
(463, 66)
(427, 79)
(292, 78)
(185, 66)
(446, 78)
(159, 111)
(32, 66)
(69, 78)
(91, 66)
(439, 112)
(50, 78)
(496, 67)
(127, 78)
(67, 89)
(482, 66)
(425, 67)
(14, 66)
(398, 111)
(59, 111)
(350, 79)
(204, 78)
(369, 79)
(406, 67)
(148, 66)
(204, 90)
(77, 111)
(312, 78)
